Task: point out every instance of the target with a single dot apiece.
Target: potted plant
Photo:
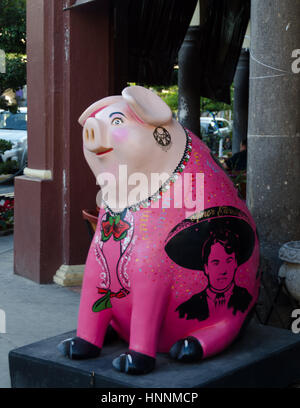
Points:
(239, 179)
(6, 214)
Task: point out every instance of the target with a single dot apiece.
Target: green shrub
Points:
(9, 167)
(5, 145)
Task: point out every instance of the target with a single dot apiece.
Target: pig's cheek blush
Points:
(119, 135)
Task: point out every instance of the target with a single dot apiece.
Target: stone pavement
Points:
(6, 187)
(33, 312)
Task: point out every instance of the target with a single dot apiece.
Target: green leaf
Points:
(102, 304)
(117, 220)
(121, 237)
(104, 238)
(111, 220)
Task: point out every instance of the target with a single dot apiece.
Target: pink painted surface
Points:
(151, 300)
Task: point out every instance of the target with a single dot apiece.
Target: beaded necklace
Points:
(165, 186)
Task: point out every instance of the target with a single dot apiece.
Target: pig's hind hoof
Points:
(133, 362)
(187, 350)
(78, 349)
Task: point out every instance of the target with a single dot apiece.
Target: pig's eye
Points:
(117, 121)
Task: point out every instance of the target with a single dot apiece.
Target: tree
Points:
(13, 42)
(170, 96)
(13, 26)
(209, 105)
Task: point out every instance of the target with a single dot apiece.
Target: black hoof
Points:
(78, 349)
(187, 350)
(133, 362)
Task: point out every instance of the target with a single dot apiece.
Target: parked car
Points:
(213, 131)
(222, 125)
(13, 128)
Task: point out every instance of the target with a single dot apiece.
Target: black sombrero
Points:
(185, 242)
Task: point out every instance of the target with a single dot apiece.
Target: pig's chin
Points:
(94, 161)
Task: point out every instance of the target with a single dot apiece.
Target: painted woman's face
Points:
(220, 267)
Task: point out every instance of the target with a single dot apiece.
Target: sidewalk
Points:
(33, 312)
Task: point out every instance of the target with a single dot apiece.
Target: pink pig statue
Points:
(167, 271)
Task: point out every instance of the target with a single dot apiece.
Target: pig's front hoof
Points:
(133, 362)
(78, 349)
(187, 350)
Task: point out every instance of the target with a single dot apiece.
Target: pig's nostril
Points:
(87, 134)
(93, 134)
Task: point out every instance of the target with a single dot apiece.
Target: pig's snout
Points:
(94, 136)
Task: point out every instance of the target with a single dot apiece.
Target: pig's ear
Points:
(147, 105)
(97, 106)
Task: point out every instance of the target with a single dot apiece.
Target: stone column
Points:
(188, 81)
(273, 187)
(241, 99)
(69, 67)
